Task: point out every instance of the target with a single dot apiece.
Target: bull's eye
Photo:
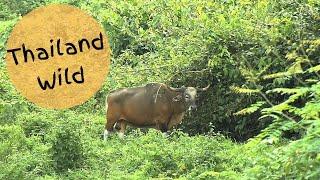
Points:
(187, 96)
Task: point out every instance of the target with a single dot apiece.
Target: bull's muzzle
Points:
(193, 107)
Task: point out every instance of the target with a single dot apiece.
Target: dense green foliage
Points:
(260, 57)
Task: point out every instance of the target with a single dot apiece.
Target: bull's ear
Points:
(203, 89)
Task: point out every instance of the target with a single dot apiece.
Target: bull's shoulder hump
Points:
(120, 95)
(150, 87)
(154, 85)
(117, 90)
(126, 91)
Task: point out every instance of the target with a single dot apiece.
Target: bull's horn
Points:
(203, 89)
(177, 89)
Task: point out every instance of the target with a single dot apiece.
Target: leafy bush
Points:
(22, 158)
(67, 144)
(36, 124)
(12, 138)
(142, 155)
(294, 114)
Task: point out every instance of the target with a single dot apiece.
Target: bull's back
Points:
(137, 106)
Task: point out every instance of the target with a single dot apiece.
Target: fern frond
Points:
(284, 106)
(314, 69)
(296, 67)
(247, 74)
(264, 70)
(276, 129)
(315, 88)
(284, 91)
(292, 56)
(276, 108)
(314, 42)
(276, 75)
(294, 97)
(274, 116)
(312, 80)
(240, 90)
(249, 110)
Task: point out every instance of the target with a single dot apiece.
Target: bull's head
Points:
(189, 95)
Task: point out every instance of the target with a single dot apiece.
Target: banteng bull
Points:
(155, 105)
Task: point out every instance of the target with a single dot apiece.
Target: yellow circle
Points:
(62, 45)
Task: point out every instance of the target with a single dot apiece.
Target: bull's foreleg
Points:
(123, 126)
(164, 129)
(106, 134)
(108, 129)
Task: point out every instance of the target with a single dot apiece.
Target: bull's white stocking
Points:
(121, 135)
(106, 134)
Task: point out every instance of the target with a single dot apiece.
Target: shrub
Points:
(66, 142)
(22, 158)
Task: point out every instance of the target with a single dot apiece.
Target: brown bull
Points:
(155, 105)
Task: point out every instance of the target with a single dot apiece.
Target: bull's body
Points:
(155, 105)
